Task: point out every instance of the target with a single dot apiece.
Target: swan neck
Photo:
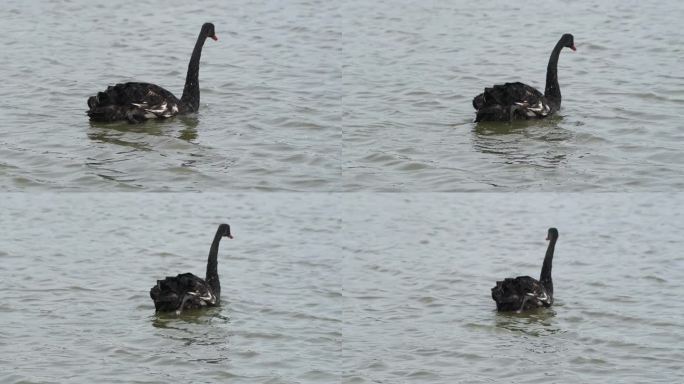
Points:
(545, 277)
(552, 91)
(212, 277)
(191, 92)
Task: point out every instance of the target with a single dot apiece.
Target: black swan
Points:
(137, 102)
(513, 101)
(187, 291)
(524, 292)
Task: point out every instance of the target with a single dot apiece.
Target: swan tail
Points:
(92, 102)
(506, 295)
(478, 101)
(165, 298)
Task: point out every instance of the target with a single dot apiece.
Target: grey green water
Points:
(77, 269)
(419, 268)
(313, 116)
(412, 68)
(270, 96)
(314, 96)
(353, 288)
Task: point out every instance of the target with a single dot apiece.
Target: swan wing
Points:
(185, 289)
(143, 100)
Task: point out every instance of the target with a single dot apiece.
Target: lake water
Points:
(316, 96)
(77, 269)
(270, 96)
(357, 288)
(411, 70)
(419, 268)
(331, 105)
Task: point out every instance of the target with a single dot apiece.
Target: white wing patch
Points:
(209, 298)
(539, 299)
(538, 109)
(156, 111)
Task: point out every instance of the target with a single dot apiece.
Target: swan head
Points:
(208, 31)
(568, 41)
(552, 235)
(224, 230)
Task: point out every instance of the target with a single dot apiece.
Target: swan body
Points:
(511, 101)
(137, 102)
(184, 291)
(187, 291)
(524, 292)
(520, 294)
(134, 102)
(514, 101)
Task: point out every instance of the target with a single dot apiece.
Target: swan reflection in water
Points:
(128, 135)
(535, 322)
(524, 142)
(534, 331)
(201, 317)
(203, 334)
(115, 145)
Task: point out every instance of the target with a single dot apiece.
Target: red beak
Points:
(216, 38)
(573, 47)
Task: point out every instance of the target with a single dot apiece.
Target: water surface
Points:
(320, 288)
(77, 269)
(269, 117)
(418, 272)
(412, 68)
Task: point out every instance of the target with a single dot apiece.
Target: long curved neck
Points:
(212, 277)
(191, 92)
(552, 91)
(545, 277)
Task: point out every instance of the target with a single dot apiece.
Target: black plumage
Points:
(137, 102)
(187, 291)
(184, 291)
(524, 292)
(513, 101)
